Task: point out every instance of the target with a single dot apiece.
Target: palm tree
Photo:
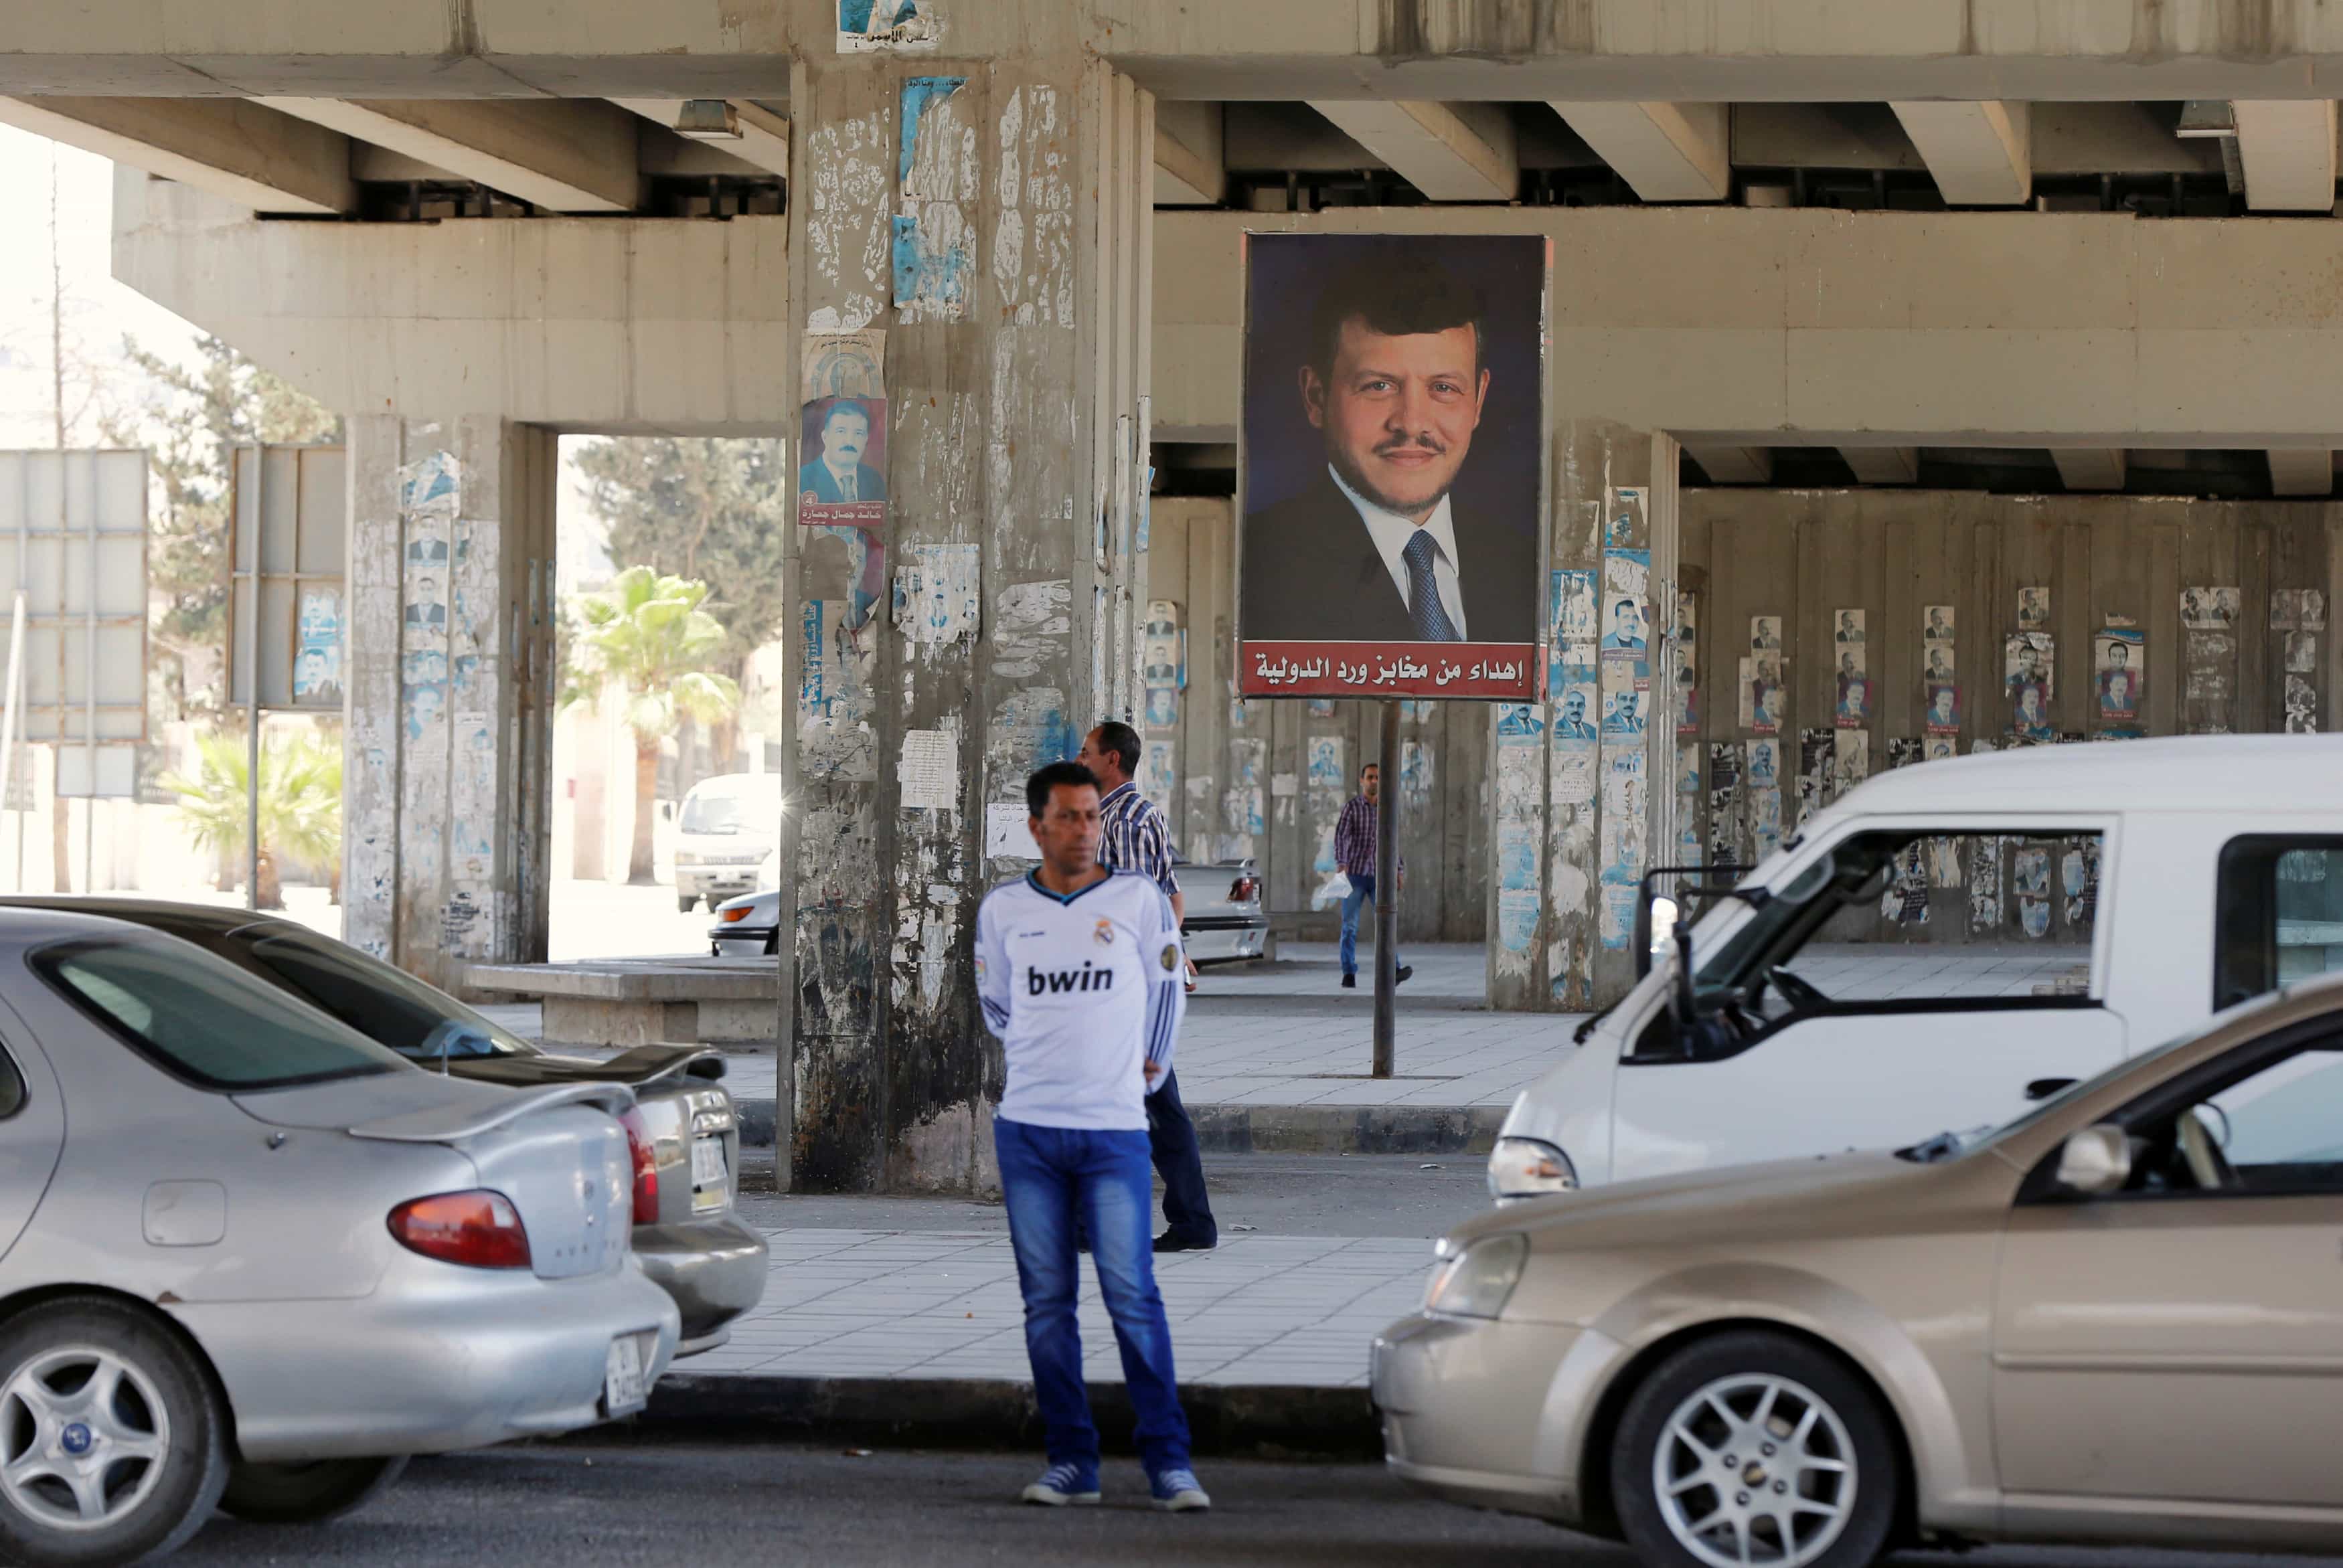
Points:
(300, 803)
(648, 633)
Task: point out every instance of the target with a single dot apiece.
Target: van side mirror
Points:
(1665, 915)
(2096, 1160)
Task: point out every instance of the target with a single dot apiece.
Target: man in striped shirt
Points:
(1354, 856)
(1079, 971)
(1133, 838)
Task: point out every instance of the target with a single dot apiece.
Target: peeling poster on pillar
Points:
(872, 27)
(937, 183)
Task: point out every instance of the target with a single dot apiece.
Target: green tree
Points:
(191, 420)
(706, 509)
(300, 803)
(648, 633)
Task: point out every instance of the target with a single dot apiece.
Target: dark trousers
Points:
(1171, 1140)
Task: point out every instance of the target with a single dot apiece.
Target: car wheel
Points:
(685, 903)
(112, 1443)
(306, 1493)
(773, 942)
(1755, 1448)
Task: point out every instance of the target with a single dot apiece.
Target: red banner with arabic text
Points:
(1482, 671)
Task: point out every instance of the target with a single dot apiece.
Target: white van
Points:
(1945, 945)
(728, 826)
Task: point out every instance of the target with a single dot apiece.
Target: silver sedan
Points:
(251, 1260)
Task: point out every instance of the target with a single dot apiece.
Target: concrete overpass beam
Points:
(1190, 167)
(2287, 147)
(763, 142)
(1725, 464)
(570, 155)
(1666, 152)
(2302, 471)
(235, 149)
(1980, 153)
(1883, 465)
(2090, 467)
(1449, 152)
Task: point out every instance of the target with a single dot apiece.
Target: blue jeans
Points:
(1363, 892)
(1048, 1175)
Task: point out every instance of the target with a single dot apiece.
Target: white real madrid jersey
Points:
(1083, 989)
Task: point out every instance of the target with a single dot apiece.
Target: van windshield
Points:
(731, 811)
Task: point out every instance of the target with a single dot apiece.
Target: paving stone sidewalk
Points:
(1257, 1310)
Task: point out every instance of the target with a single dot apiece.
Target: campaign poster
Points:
(1390, 477)
(842, 482)
(317, 660)
(2120, 658)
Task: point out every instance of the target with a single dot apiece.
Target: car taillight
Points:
(739, 914)
(479, 1230)
(639, 1144)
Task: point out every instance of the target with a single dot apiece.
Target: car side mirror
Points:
(1665, 915)
(2096, 1160)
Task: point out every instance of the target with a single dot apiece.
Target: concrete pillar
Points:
(1578, 819)
(446, 751)
(992, 217)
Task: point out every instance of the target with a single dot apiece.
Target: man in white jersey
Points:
(1080, 973)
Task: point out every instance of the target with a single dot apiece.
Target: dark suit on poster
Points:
(816, 479)
(1313, 573)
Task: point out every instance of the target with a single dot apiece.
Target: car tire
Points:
(306, 1493)
(684, 904)
(773, 943)
(1789, 1401)
(50, 1358)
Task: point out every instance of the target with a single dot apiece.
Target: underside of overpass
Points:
(2051, 288)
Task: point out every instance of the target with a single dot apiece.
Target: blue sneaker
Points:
(1061, 1484)
(1179, 1492)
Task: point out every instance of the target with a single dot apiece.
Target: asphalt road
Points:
(573, 1506)
(1275, 1194)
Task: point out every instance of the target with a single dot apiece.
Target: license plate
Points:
(712, 1182)
(624, 1390)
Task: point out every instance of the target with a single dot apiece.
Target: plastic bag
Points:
(1330, 891)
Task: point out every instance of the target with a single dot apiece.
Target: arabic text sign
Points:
(1472, 669)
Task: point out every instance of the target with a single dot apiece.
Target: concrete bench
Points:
(733, 1002)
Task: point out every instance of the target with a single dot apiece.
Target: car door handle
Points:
(2044, 1088)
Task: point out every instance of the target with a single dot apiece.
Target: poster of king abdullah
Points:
(1391, 478)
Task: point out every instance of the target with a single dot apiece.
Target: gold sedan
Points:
(2118, 1319)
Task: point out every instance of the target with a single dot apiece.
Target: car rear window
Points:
(202, 1019)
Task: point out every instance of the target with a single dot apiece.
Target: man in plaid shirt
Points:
(1354, 856)
(1132, 838)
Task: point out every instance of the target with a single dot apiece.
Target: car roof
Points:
(26, 925)
(2231, 774)
(219, 918)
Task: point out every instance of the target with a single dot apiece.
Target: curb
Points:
(1284, 1129)
(1260, 1421)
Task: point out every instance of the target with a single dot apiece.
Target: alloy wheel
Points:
(83, 1436)
(1755, 1471)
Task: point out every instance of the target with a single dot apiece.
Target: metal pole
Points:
(89, 698)
(1387, 892)
(252, 726)
(9, 760)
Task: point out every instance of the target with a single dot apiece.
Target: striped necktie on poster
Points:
(1423, 606)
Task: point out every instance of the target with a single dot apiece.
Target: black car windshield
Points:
(381, 1000)
(201, 1018)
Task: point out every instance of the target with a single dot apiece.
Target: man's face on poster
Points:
(844, 435)
(1398, 413)
(1944, 707)
(2029, 705)
(2119, 688)
(313, 669)
(2119, 655)
(1623, 620)
(1573, 707)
